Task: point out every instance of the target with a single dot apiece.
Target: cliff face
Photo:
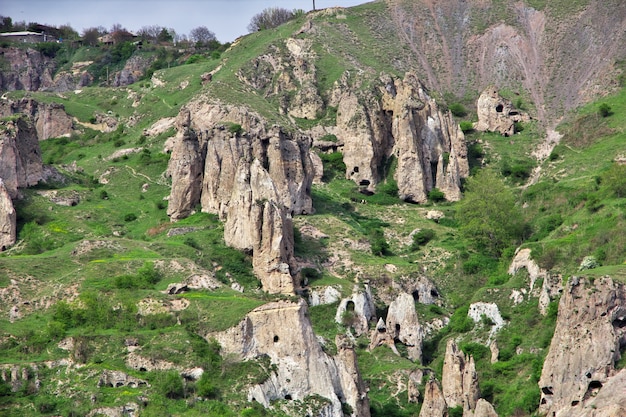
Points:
(50, 119)
(282, 331)
(20, 156)
(7, 219)
(398, 118)
(579, 375)
(27, 70)
(464, 46)
(253, 177)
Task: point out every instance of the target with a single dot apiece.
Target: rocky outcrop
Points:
(20, 155)
(8, 218)
(551, 285)
(459, 380)
(399, 119)
(50, 119)
(118, 379)
(589, 339)
(255, 179)
(483, 409)
(357, 310)
(27, 70)
(402, 325)
(490, 312)
(133, 70)
(282, 331)
(434, 404)
(497, 114)
(287, 72)
(186, 169)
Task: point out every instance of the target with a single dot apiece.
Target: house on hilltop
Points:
(27, 37)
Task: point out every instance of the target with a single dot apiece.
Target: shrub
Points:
(104, 195)
(436, 195)
(458, 109)
(334, 167)
(378, 243)
(171, 385)
(269, 18)
(456, 411)
(235, 129)
(466, 126)
(129, 217)
(205, 387)
(421, 238)
(605, 110)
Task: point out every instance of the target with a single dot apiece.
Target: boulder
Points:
(403, 325)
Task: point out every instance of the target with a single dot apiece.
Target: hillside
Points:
(312, 223)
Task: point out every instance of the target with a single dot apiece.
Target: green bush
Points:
(334, 167)
(421, 238)
(456, 411)
(378, 243)
(129, 217)
(605, 110)
(466, 126)
(458, 109)
(170, 385)
(436, 195)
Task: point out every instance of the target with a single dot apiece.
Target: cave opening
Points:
(416, 296)
(499, 108)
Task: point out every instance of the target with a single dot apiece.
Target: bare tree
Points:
(201, 35)
(269, 18)
(91, 35)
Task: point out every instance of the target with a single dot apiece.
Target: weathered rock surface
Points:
(27, 70)
(459, 380)
(357, 310)
(282, 331)
(133, 70)
(402, 325)
(497, 114)
(588, 340)
(483, 409)
(50, 119)
(434, 404)
(20, 155)
(117, 379)
(8, 218)
(253, 178)
(406, 123)
(490, 311)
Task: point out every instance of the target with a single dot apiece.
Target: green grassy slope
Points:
(84, 270)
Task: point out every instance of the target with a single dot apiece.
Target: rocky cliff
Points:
(255, 178)
(50, 119)
(20, 155)
(282, 331)
(579, 377)
(398, 118)
(7, 219)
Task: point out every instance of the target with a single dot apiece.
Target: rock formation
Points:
(589, 339)
(50, 119)
(282, 331)
(357, 310)
(402, 326)
(253, 178)
(28, 70)
(407, 124)
(497, 114)
(133, 70)
(8, 219)
(434, 404)
(20, 155)
(459, 380)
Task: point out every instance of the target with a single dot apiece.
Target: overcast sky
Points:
(228, 19)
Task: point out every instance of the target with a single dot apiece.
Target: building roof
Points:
(24, 33)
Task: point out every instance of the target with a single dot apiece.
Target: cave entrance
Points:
(350, 306)
(499, 108)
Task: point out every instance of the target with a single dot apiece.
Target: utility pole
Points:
(313, 5)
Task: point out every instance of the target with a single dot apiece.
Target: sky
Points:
(228, 19)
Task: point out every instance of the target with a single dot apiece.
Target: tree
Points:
(91, 35)
(488, 214)
(201, 35)
(269, 18)
(165, 36)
